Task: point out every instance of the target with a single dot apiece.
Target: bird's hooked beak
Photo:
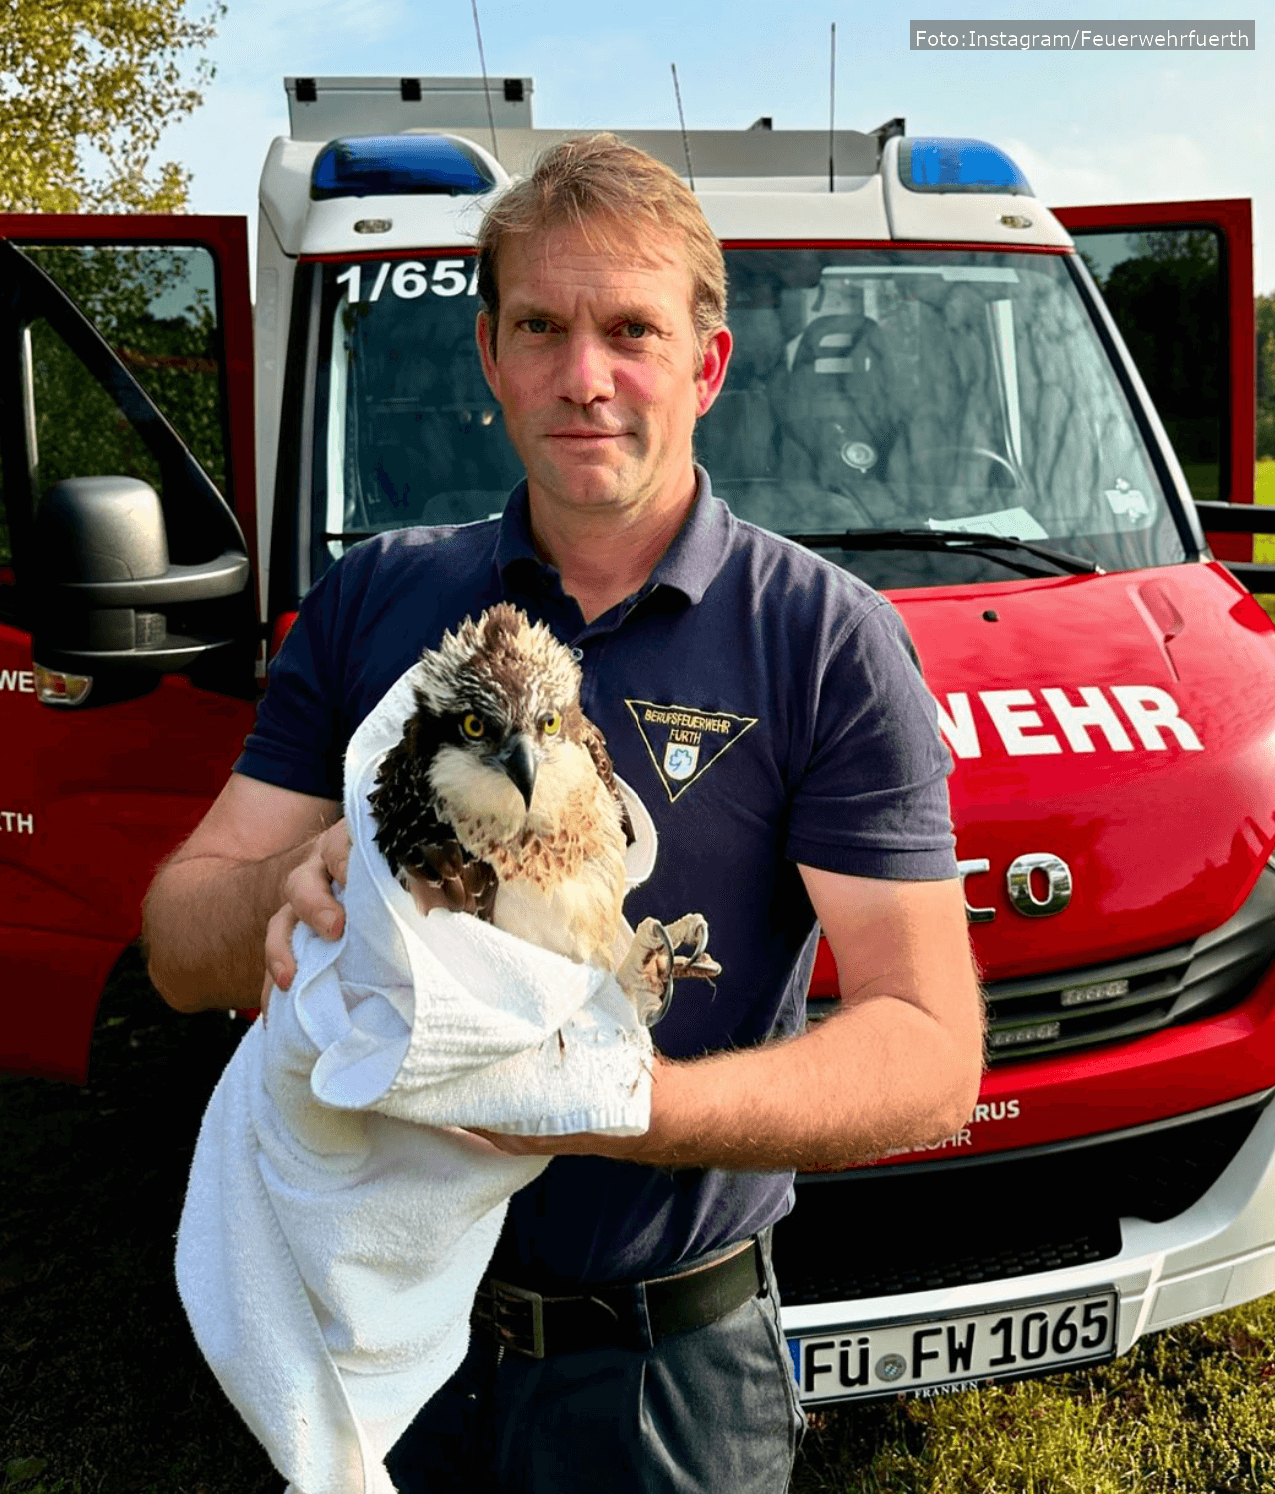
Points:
(517, 760)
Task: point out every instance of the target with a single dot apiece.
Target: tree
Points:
(1197, 246)
(1264, 309)
(86, 89)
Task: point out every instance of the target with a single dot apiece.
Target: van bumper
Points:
(1216, 1254)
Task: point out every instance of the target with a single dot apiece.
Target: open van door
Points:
(128, 612)
(1177, 278)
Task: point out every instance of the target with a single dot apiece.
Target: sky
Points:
(1087, 127)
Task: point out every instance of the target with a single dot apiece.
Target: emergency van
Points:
(1032, 429)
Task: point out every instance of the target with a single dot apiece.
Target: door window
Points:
(156, 306)
(1166, 291)
(114, 366)
(407, 430)
(72, 425)
(77, 429)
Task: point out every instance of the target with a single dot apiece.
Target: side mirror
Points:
(106, 587)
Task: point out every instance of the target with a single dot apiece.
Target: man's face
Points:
(597, 370)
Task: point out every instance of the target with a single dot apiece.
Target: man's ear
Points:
(708, 384)
(484, 335)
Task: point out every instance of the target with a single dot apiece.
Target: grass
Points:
(1264, 489)
(102, 1390)
(1264, 544)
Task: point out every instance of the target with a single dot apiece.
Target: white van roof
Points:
(755, 184)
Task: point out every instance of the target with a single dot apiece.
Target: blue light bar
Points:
(928, 164)
(398, 165)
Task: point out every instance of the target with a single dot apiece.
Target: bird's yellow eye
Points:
(551, 724)
(472, 726)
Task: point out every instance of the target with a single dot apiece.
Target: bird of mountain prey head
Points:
(496, 741)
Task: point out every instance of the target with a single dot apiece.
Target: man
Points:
(765, 707)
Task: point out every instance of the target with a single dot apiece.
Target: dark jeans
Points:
(713, 1411)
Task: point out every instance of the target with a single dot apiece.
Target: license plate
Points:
(921, 1354)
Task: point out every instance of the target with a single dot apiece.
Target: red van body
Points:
(1113, 734)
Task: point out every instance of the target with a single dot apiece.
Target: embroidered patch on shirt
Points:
(684, 742)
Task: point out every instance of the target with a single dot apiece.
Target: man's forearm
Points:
(879, 1075)
(204, 927)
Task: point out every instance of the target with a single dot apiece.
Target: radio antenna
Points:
(686, 144)
(832, 105)
(482, 62)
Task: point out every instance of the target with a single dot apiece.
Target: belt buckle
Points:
(527, 1309)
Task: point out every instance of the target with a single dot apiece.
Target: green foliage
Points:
(1264, 309)
(1193, 246)
(22, 1476)
(1264, 315)
(1188, 1411)
(95, 80)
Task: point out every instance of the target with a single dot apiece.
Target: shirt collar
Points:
(513, 537)
(688, 565)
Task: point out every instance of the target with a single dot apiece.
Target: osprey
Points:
(501, 792)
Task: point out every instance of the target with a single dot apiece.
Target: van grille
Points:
(1105, 1003)
(882, 1231)
(1095, 1004)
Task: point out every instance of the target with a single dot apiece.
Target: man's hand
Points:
(308, 892)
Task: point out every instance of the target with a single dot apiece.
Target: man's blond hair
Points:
(607, 188)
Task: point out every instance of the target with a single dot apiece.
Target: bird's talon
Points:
(666, 1000)
(701, 941)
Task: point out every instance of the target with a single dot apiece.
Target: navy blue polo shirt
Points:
(767, 708)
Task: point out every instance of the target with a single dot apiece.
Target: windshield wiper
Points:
(961, 541)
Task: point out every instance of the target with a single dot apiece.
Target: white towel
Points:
(336, 1225)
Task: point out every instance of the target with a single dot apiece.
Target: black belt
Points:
(630, 1315)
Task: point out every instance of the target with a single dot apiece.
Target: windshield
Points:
(868, 389)
(406, 430)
